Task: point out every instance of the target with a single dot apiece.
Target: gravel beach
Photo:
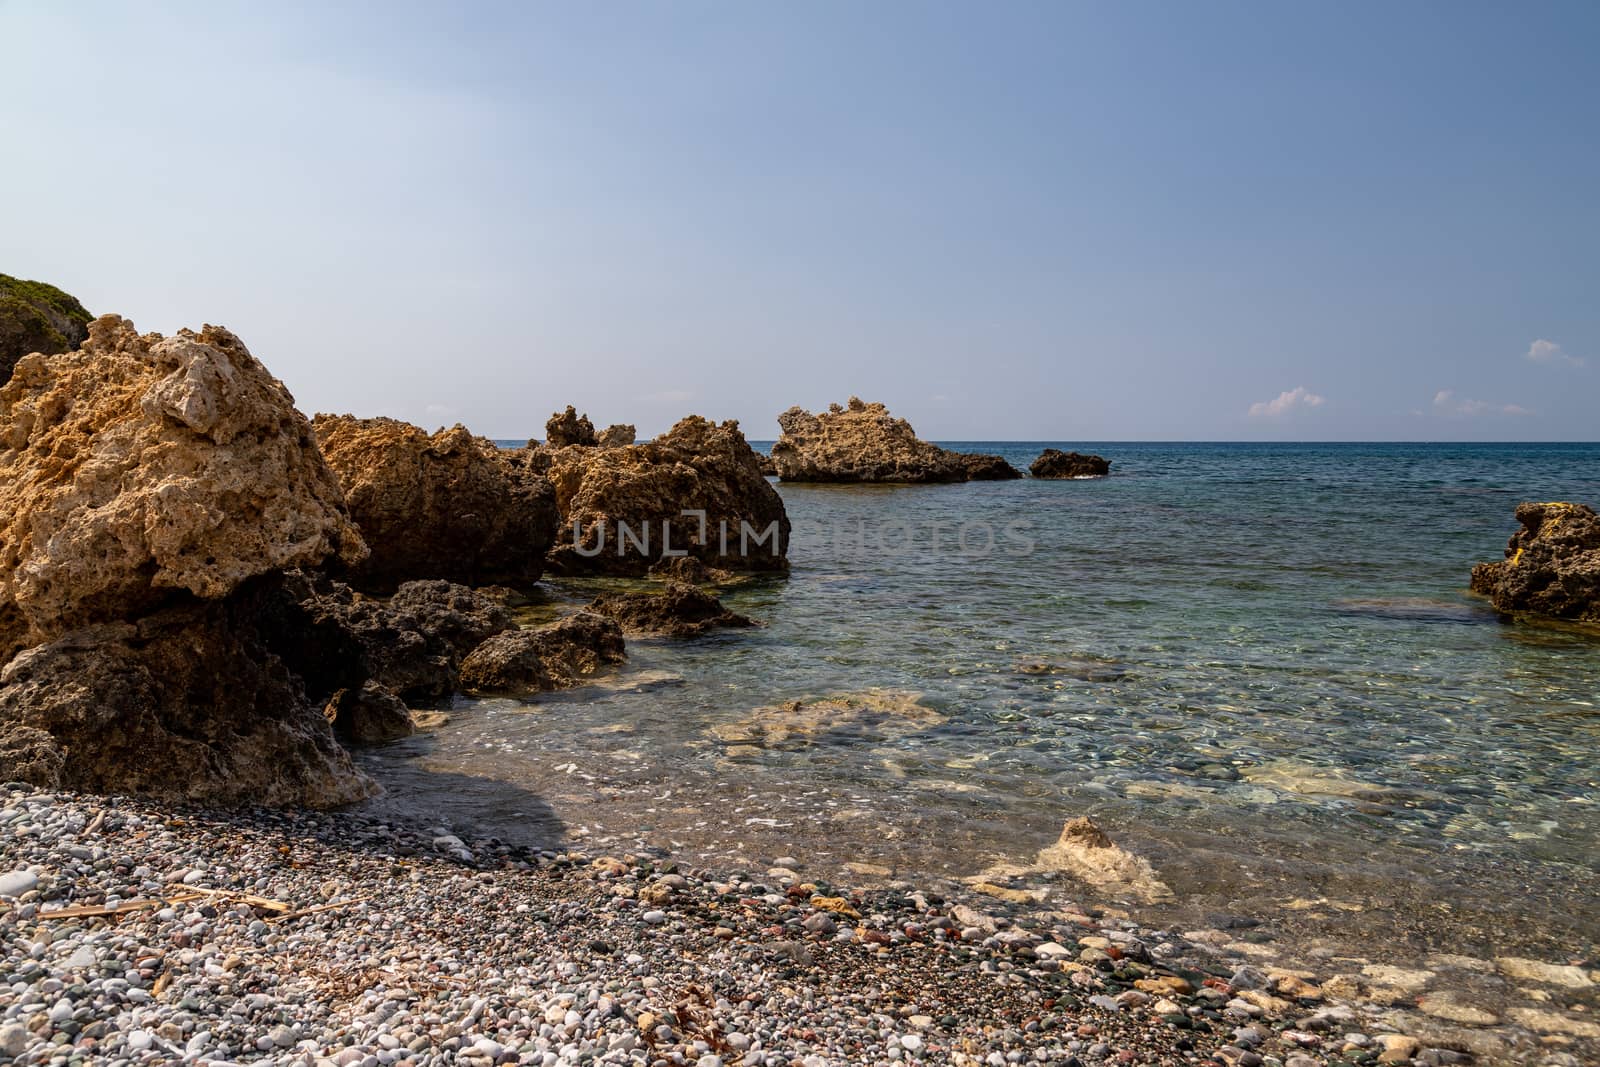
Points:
(134, 934)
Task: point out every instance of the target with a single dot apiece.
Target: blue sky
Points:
(1035, 221)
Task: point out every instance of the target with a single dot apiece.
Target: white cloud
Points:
(1446, 402)
(1286, 401)
(1550, 353)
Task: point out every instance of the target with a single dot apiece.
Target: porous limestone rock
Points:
(679, 611)
(36, 317)
(1552, 565)
(697, 466)
(443, 505)
(138, 468)
(558, 656)
(1054, 463)
(617, 435)
(566, 428)
(858, 442)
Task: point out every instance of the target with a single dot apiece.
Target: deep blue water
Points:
(1257, 662)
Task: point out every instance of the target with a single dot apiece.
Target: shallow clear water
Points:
(1257, 664)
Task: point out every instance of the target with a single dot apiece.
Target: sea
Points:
(1256, 665)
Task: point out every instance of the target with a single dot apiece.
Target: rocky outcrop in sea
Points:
(1552, 565)
(735, 521)
(681, 610)
(861, 442)
(1054, 463)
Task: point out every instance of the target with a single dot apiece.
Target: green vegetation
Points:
(36, 317)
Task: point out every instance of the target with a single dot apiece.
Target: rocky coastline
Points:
(207, 598)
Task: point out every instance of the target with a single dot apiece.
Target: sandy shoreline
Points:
(292, 937)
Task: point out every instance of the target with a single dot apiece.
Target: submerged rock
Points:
(867, 715)
(139, 468)
(1552, 565)
(558, 656)
(1054, 463)
(680, 611)
(443, 505)
(1088, 855)
(736, 519)
(690, 570)
(35, 317)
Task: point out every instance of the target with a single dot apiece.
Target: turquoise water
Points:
(1257, 664)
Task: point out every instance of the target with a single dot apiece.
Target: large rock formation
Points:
(1054, 463)
(558, 656)
(154, 489)
(139, 468)
(617, 435)
(1552, 565)
(861, 442)
(697, 466)
(566, 428)
(35, 317)
(680, 611)
(443, 505)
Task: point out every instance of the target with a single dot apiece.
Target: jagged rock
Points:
(982, 467)
(1552, 565)
(368, 714)
(444, 505)
(138, 468)
(566, 428)
(35, 317)
(680, 611)
(185, 704)
(557, 656)
(858, 443)
(1054, 463)
(617, 435)
(769, 468)
(698, 465)
(412, 644)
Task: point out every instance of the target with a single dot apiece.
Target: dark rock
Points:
(1054, 463)
(444, 505)
(697, 466)
(566, 428)
(368, 714)
(680, 611)
(982, 467)
(1552, 565)
(558, 656)
(35, 317)
(185, 704)
(690, 570)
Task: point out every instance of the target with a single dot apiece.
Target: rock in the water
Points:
(35, 317)
(1552, 565)
(873, 715)
(557, 656)
(982, 467)
(368, 714)
(1054, 463)
(566, 428)
(1087, 854)
(443, 505)
(617, 435)
(858, 442)
(680, 611)
(622, 509)
(185, 704)
(690, 570)
(137, 468)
